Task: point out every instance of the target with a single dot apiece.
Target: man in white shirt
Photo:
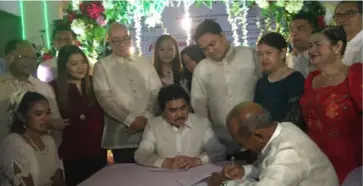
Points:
(62, 36)
(126, 87)
(18, 78)
(177, 138)
(348, 14)
(287, 156)
(227, 76)
(302, 26)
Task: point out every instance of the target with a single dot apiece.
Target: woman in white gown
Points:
(29, 155)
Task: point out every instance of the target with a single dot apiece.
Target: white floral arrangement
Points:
(79, 28)
(291, 6)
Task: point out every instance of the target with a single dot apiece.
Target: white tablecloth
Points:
(135, 175)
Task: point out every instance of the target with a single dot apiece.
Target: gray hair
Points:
(253, 122)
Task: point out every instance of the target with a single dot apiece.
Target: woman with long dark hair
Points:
(28, 154)
(82, 156)
(167, 60)
(191, 56)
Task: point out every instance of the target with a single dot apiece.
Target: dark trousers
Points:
(76, 171)
(124, 155)
(247, 156)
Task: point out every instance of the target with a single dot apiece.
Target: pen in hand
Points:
(232, 160)
(229, 168)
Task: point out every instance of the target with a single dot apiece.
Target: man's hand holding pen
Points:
(233, 171)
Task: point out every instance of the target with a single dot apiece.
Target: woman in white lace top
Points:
(29, 155)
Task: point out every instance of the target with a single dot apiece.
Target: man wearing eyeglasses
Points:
(19, 77)
(126, 87)
(348, 14)
(62, 36)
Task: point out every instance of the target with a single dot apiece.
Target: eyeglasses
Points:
(125, 40)
(27, 58)
(346, 15)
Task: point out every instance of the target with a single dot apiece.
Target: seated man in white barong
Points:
(287, 156)
(178, 139)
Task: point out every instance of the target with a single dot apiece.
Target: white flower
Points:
(153, 19)
(107, 4)
(262, 3)
(78, 27)
(280, 3)
(329, 13)
(294, 7)
(96, 44)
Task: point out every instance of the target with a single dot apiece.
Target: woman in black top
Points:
(279, 91)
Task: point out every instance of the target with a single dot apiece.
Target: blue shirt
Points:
(2, 66)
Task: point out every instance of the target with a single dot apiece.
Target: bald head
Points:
(119, 39)
(249, 116)
(116, 27)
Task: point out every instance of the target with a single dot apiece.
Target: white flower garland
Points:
(187, 23)
(258, 25)
(233, 23)
(244, 23)
(138, 26)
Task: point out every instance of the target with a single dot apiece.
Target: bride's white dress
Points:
(14, 150)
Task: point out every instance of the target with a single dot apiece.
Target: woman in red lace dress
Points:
(332, 101)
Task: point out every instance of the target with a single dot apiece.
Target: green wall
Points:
(10, 28)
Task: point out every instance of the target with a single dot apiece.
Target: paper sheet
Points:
(199, 174)
(167, 170)
(194, 180)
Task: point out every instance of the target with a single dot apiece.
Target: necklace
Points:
(33, 143)
(279, 76)
(331, 79)
(326, 80)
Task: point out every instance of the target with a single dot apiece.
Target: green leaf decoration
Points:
(124, 12)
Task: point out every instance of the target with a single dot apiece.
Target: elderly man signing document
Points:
(287, 157)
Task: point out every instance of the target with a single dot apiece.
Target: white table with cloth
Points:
(136, 175)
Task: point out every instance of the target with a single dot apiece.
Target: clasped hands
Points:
(229, 172)
(137, 125)
(181, 162)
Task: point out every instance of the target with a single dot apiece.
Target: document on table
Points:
(167, 170)
(194, 180)
(199, 174)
